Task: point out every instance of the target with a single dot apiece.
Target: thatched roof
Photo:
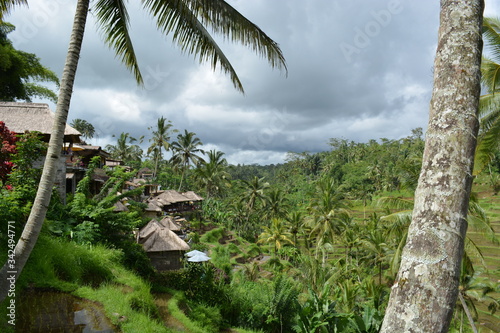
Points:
(99, 175)
(169, 223)
(170, 197)
(22, 117)
(120, 207)
(153, 207)
(155, 238)
(87, 150)
(192, 196)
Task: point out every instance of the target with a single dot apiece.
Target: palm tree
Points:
(276, 235)
(160, 141)
(489, 106)
(295, 225)
(187, 21)
(124, 149)
(185, 152)
(212, 174)
(317, 275)
(375, 244)
(254, 192)
(276, 204)
(84, 127)
(328, 212)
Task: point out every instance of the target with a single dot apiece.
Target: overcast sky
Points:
(357, 69)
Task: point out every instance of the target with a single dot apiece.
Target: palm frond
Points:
(188, 19)
(490, 74)
(395, 203)
(396, 256)
(7, 5)
(491, 33)
(473, 251)
(478, 220)
(113, 20)
(227, 21)
(190, 34)
(489, 106)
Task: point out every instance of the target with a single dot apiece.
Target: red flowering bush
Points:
(7, 150)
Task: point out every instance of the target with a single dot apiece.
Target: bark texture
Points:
(34, 224)
(426, 288)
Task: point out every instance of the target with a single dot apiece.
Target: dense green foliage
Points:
(19, 72)
(310, 245)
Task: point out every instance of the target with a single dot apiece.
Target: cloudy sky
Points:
(357, 69)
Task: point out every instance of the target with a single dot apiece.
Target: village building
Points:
(33, 117)
(75, 156)
(162, 245)
(37, 117)
(78, 158)
(172, 202)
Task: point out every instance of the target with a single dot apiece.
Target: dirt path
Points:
(161, 301)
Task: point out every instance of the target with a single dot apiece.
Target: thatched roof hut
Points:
(170, 197)
(169, 223)
(144, 173)
(120, 207)
(22, 117)
(155, 238)
(192, 196)
(163, 246)
(173, 201)
(152, 210)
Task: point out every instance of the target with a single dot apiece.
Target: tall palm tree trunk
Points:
(32, 229)
(182, 178)
(426, 288)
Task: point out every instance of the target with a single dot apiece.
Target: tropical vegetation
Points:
(310, 245)
(312, 258)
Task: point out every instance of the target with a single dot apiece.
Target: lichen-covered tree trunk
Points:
(34, 224)
(426, 288)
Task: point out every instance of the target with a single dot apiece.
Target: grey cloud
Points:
(358, 70)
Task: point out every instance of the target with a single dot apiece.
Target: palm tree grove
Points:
(161, 232)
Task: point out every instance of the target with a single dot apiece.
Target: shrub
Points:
(136, 259)
(144, 305)
(213, 236)
(207, 316)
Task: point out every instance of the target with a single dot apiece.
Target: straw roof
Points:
(153, 207)
(192, 196)
(168, 222)
(120, 207)
(169, 197)
(22, 117)
(155, 238)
